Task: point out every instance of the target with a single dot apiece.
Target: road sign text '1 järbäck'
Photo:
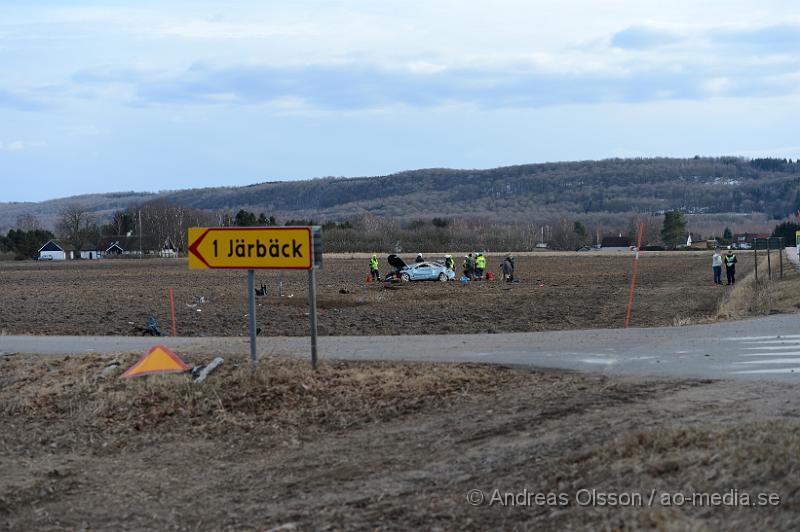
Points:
(251, 248)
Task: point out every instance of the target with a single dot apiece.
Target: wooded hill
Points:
(533, 192)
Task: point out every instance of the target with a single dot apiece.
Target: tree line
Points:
(162, 222)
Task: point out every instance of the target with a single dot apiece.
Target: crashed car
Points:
(419, 271)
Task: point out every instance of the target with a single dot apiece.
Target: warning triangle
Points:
(158, 360)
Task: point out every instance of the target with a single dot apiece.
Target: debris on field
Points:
(344, 291)
(151, 328)
(201, 371)
(110, 369)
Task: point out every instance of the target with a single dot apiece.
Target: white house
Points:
(53, 251)
(91, 255)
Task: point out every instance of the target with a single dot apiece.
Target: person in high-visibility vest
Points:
(480, 265)
(373, 267)
(730, 266)
(449, 263)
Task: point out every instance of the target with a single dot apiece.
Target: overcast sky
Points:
(155, 95)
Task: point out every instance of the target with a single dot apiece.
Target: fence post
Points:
(769, 263)
(755, 250)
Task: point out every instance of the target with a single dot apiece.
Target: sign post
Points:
(260, 248)
(316, 249)
(251, 304)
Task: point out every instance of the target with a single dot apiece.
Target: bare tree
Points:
(76, 226)
(28, 222)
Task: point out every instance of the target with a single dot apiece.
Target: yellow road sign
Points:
(250, 248)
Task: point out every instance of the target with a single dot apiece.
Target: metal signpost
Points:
(768, 244)
(260, 248)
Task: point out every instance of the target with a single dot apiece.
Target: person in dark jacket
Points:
(419, 258)
(469, 266)
(507, 268)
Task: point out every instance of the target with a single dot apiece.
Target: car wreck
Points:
(418, 271)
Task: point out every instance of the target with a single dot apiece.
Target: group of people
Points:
(474, 266)
(729, 261)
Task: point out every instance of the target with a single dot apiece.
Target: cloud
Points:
(362, 85)
(642, 37)
(19, 102)
(779, 39)
(19, 145)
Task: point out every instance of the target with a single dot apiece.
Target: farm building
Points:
(615, 243)
(704, 244)
(747, 238)
(53, 250)
(133, 245)
(91, 255)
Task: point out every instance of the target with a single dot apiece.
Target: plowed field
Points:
(556, 291)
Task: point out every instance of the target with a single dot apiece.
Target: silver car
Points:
(418, 271)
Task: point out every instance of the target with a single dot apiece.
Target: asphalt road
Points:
(764, 348)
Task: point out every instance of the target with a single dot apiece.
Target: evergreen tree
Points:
(245, 218)
(580, 231)
(727, 235)
(787, 231)
(674, 228)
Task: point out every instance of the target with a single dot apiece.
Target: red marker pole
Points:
(172, 311)
(633, 279)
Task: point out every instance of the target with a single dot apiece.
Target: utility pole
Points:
(141, 256)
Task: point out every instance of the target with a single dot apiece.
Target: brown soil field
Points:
(379, 446)
(557, 291)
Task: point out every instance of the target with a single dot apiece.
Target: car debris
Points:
(201, 371)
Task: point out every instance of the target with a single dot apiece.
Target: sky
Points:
(158, 95)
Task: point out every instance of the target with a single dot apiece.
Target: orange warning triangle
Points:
(158, 360)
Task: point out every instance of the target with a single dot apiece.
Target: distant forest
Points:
(694, 186)
(714, 193)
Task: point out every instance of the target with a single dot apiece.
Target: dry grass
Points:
(368, 446)
(767, 296)
(285, 395)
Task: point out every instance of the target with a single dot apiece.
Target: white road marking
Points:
(784, 342)
(773, 361)
(605, 361)
(771, 348)
(759, 371)
(772, 337)
(771, 354)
